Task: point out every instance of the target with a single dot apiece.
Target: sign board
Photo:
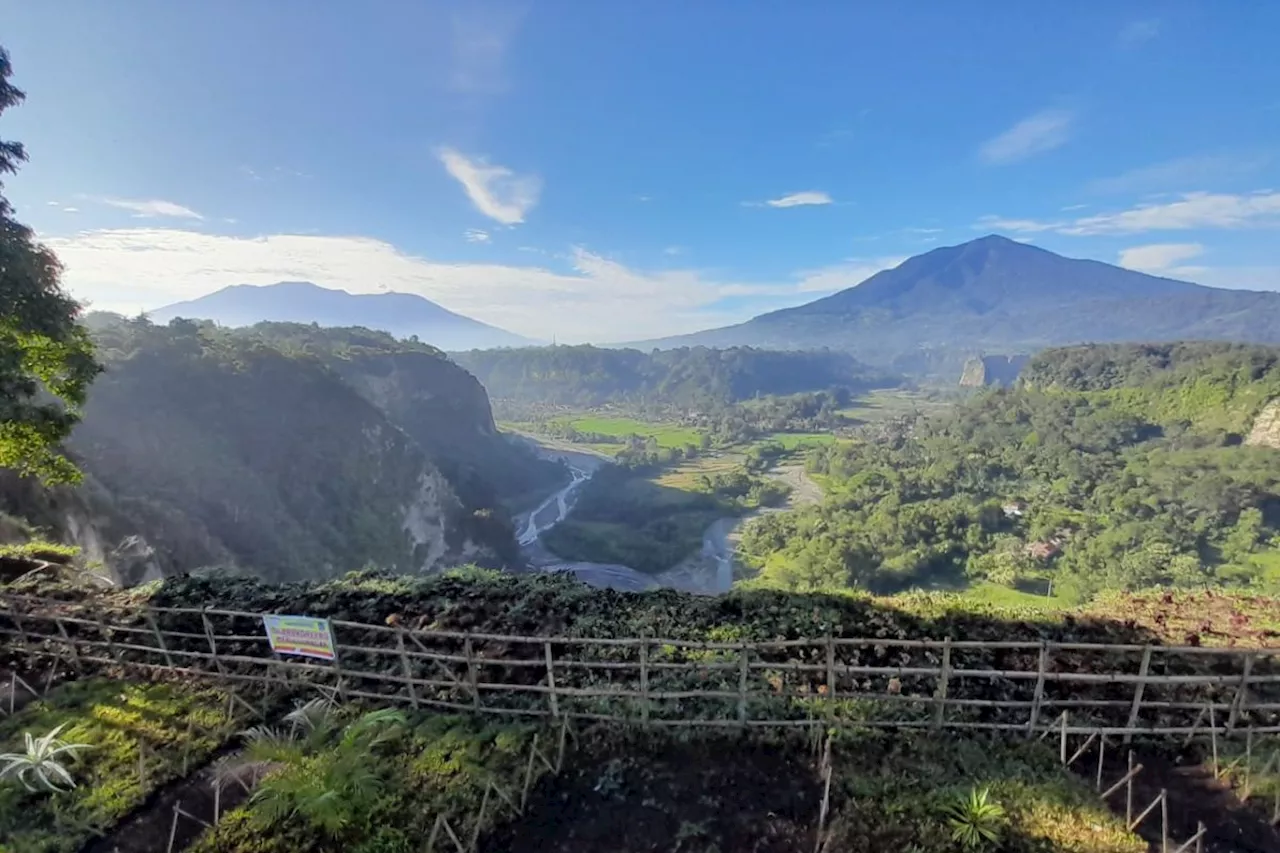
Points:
(300, 635)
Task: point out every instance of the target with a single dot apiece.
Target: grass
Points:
(687, 475)
(438, 765)
(173, 727)
(1003, 596)
(667, 435)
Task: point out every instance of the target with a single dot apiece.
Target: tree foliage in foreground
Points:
(46, 359)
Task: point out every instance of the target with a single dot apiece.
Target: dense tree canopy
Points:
(1140, 480)
(46, 359)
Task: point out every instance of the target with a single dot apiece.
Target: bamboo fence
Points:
(888, 682)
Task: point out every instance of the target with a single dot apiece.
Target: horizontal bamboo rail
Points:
(872, 682)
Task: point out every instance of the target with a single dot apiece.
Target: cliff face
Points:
(202, 448)
(991, 370)
(1266, 427)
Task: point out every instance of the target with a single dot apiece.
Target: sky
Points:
(611, 171)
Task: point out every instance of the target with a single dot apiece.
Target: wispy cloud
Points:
(1137, 33)
(481, 38)
(1158, 257)
(1182, 172)
(673, 250)
(1035, 134)
(70, 210)
(1191, 210)
(851, 273)
(496, 191)
(147, 208)
(595, 298)
(475, 235)
(800, 199)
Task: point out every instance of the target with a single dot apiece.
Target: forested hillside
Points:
(687, 377)
(292, 452)
(1111, 467)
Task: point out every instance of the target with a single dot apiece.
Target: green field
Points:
(893, 402)
(1003, 596)
(667, 435)
(799, 440)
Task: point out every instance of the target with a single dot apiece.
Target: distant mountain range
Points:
(402, 314)
(995, 295)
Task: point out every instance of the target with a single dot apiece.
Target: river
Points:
(708, 571)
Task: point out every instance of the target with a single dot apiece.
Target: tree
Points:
(46, 358)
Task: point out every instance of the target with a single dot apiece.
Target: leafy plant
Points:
(318, 772)
(976, 820)
(42, 760)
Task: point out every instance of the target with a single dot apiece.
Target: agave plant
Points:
(976, 820)
(41, 760)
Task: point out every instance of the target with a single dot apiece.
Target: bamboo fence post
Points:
(551, 680)
(155, 630)
(1062, 743)
(1102, 754)
(475, 831)
(1148, 810)
(744, 665)
(644, 680)
(173, 829)
(1128, 799)
(940, 700)
(1201, 829)
(1213, 736)
(831, 669)
(71, 646)
(1248, 765)
(1242, 693)
(340, 684)
(826, 795)
(13, 692)
(106, 636)
(1039, 694)
(406, 667)
(528, 773)
(17, 623)
(469, 651)
(213, 644)
(1164, 821)
(1143, 669)
(142, 764)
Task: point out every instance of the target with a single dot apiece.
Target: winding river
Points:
(709, 572)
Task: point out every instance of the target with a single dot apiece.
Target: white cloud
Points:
(1035, 134)
(130, 270)
(1000, 223)
(496, 191)
(1158, 257)
(1138, 33)
(800, 199)
(1191, 210)
(148, 208)
(70, 210)
(475, 235)
(480, 40)
(673, 250)
(53, 203)
(840, 276)
(922, 230)
(1181, 172)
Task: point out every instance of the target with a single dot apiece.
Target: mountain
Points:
(686, 377)
(997, 295)
(287, 451)
(402, 314)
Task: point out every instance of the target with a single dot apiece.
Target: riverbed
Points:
(707, 572)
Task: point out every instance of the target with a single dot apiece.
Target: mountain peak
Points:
(401, 314)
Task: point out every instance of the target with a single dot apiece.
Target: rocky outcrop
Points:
(991, 370)
(1266, 427)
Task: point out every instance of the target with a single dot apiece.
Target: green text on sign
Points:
(300, 635)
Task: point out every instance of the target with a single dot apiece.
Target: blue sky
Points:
(619, 170)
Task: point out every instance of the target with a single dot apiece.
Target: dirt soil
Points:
(1194, 797)
(630, 795)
